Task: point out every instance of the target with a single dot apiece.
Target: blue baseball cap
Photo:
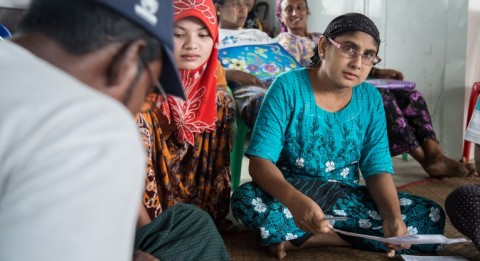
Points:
(4, 33)
(156, 17)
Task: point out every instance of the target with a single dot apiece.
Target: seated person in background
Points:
(463, 204)
(292, 16)
(317, 130)
(248, 90)
(409, 123)
(232, 15)
(253, 22)
(188, 143)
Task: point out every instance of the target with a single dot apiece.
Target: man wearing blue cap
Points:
(4, 32)
(71, 161)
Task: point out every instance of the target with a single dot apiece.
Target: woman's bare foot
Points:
(470, 166)
(226, 227)
(315, 241)
(444, 167)
(279, 250)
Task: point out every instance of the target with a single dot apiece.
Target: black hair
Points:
(344, 24)
(352, 22)
(315, 60)
(84, 26)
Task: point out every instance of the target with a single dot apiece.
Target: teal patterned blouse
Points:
(303, 139)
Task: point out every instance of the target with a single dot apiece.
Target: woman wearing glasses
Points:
(409, 124)
(317, 130)
(188, 143)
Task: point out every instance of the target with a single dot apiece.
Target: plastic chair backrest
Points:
(471, 107)
(261, 9)
(236, 156)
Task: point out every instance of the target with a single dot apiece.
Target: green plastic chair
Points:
(236, 156)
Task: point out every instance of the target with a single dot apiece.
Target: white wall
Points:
(14, 3)
(427, 41)
(473, 45)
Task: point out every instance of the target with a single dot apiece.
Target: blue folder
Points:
(266, 61)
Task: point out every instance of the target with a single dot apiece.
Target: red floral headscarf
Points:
(199, 112)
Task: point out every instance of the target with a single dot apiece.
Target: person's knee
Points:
(461, 206)
(188, 209)
(462, 199)
(242, 192)
(198, 218)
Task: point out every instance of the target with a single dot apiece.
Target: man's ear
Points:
(124, 67)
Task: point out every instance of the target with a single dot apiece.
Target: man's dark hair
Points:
(83, 26)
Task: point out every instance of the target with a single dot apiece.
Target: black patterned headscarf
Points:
(350, 22)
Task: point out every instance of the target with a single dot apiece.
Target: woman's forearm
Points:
(384, 194)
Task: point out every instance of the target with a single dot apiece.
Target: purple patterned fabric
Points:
(408, 120)
(392, 84)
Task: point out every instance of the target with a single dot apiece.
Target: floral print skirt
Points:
(408, 121)
(259, 211)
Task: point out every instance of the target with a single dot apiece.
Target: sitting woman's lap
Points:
(258, 210)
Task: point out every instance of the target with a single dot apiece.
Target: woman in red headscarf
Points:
(188, 143)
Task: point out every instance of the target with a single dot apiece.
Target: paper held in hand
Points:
(411, 239)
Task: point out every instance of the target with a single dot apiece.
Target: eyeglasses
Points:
(369, 59)
(156, 86)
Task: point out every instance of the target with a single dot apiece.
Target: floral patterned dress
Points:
(178, 172)
(322, 154)
(408, 121)
(299, 47)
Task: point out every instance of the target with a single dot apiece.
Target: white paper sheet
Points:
(411, 239)
(433, 258)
